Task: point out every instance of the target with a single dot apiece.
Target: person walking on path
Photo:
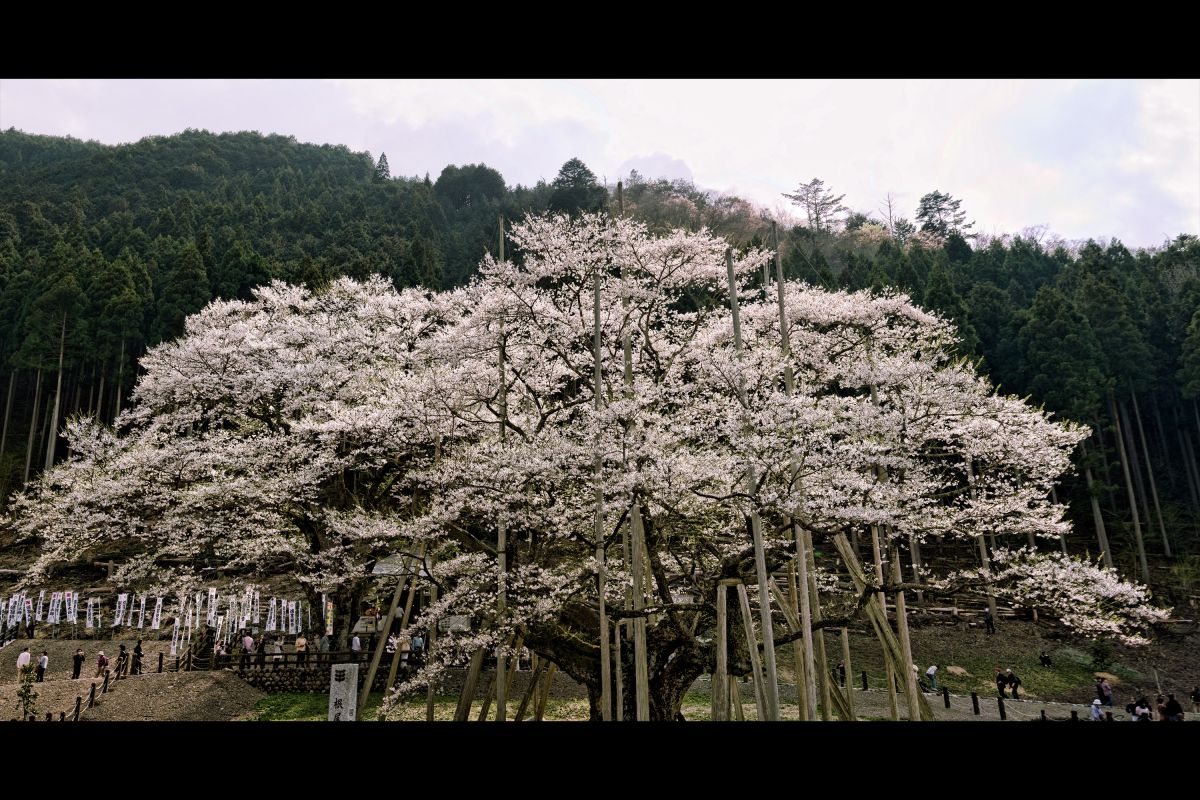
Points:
(101, 664)
(1001, 682)
(122, 661)
(356, 644)
(23, 663)
(1141, 712)
(1106, 692)
(1013, 682)
(988, 621)
(931, 673)
(1096, 715)
(77, 663)
(44, 661)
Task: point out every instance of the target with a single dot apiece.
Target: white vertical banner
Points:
(90, 614)
(199, 603)
(308, 616)
(175, 638)
(14, 603)
(292, 617)
(212, 607)
(122, 599)
(53, 608)
(247, 606)
(271, 615)
(257, 609)
(37, 615)
(28, 610)
(3, 615)
(142, 612)
(188, 623)
(129, 620)
(72, 601)
(154, 623)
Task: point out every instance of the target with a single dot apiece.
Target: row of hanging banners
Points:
(240, 612)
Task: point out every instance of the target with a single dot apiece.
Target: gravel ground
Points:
(185, 696)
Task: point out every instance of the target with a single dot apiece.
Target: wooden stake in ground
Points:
(463, 712)
(881, 598)
(432, 639)
(822, 665)
(849, 673)
(771, 688)
(720, 679)
(805, 687)
(760, 698)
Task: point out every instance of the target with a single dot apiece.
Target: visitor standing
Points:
(1096, 715)
(988, 621)
(277, 654)
(356, 644)
(77, 663)
(301, 649)
(1106, 692)
(101, 663)
(44, 661)
(138, 654)
(23, 663)
(1173, 709)
(931, 673)
(1001, 682)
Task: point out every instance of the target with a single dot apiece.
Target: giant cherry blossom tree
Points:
(309, 433)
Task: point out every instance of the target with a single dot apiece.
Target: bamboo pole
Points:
(803, 678)
(502, 534)
(408, 604)
(771, 696)
(735, 698)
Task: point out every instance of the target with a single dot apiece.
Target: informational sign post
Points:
(343, 692)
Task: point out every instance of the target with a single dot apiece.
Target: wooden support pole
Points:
(735, 694)
(548, 681)
(770, 683)
(821, 672)
(975, 703)
(906, 663)
(1000, 705)
(539, 664)
(789, 605)
(380, 643)
(946, 695)
(618, 674)
(881, 598)
(720, 680)
(848, 672)
(432, 638)
(396, 656)
(463, 712)
(760, 698)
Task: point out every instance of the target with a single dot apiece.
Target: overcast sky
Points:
(1087, 158)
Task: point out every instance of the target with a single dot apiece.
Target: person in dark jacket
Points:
(1013, 683)
(988, 621)
(77, 663)
(1001, 682)
(1173, 709)
(137, 658)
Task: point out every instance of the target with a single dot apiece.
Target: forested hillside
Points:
(104, 251)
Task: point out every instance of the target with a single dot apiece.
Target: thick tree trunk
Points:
(1135, 462)
(1137, 415)
(12, 382)
(1137, 523)
(117, 388)
(100, 396)
(52, 433)
(33, 425)
(1097, 517)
